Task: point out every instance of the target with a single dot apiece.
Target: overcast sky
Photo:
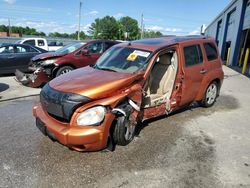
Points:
(178, 17)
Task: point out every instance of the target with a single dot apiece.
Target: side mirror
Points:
(85, 52)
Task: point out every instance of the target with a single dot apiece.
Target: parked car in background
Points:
(97, 107)
(41, 43)
(17, 56)
(52, 64)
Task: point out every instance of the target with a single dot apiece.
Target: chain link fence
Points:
(12, 40)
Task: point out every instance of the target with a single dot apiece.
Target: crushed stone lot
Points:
(198, 147)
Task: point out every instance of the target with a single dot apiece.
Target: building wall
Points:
(230, 23)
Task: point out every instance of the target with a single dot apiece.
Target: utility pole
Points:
(79, 21)
(9, 27)
(142, 27)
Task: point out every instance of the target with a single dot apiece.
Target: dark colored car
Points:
(52, 64)
(17, 56)
(94, 107)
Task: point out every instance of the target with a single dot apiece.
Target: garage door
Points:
(246, 24)
(231, 26)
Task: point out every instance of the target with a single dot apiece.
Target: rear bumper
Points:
(36, 79)
(87, 138)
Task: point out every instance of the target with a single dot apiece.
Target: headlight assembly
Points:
(48, 62)
(91, 116)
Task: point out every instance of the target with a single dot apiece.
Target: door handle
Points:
(10, 57)
(203, 71)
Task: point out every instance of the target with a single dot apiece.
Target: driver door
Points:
(95, 50)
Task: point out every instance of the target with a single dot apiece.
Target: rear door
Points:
(192, 74)
(23, 54)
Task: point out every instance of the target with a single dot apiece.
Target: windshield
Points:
(120, 59)
(69, 48)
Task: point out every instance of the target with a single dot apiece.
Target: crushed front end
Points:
(58, 115)
(38, 76)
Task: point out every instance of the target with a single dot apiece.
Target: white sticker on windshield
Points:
(141, 53)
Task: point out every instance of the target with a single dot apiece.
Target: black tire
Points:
(210, 95)
(121, 129)
(63, 70)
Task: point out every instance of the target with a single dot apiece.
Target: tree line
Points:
(126, 28)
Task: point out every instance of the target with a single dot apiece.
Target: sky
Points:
(171, 17)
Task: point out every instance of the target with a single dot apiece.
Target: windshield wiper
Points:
(106, 69)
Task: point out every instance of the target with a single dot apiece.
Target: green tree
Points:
(151, 34)
(3, 28)
(130, 26)
(105, 28)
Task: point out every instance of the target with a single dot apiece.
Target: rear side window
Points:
(193, 55)
(211, 51)
(41, 43)
(30, 42)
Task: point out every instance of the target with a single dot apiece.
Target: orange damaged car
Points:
(99, 106)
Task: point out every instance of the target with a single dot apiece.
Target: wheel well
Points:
(217, 80)
(60, 66)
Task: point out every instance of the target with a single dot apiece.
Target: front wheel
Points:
(210, 95)
(124, 131)
(64, 70)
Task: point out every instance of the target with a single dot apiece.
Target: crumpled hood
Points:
(47, 55)
(92, 83)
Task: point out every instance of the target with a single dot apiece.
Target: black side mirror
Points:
(85, 52)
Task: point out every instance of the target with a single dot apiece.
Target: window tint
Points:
(210, 51)
(30, 42)
(20, 49)
(24, 49)
(192, 55)
(6, 49)
(41, 43)
(94, 48)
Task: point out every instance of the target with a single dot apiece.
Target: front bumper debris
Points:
(35, 79)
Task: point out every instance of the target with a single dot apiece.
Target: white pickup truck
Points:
(41, 43)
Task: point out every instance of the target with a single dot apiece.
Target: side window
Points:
(41, 43)
(193, 55)
(6, 49)
(20, 49)
(30, 42)
(211, 51)
(23, 49)
(95, 48)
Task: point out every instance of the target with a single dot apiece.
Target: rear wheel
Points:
(210, 95)
(64, 70)
(124, 131)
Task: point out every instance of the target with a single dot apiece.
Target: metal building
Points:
(231, 30)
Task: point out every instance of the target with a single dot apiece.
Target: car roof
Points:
(153, 44)
(101, 40)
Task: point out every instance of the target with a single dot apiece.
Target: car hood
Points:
(47, 55)
(92, 83)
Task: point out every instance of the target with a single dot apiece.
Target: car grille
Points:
(58, 104)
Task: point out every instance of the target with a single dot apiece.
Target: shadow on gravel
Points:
(4, 87)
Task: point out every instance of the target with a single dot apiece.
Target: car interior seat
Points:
(161, 81)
